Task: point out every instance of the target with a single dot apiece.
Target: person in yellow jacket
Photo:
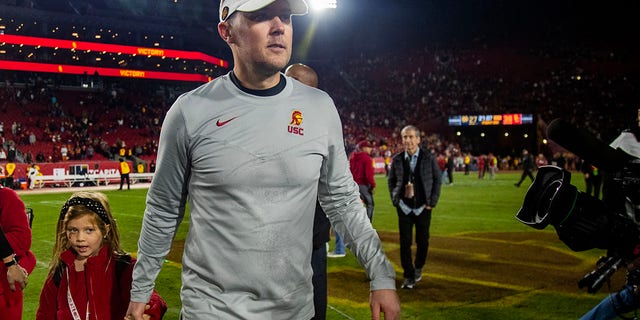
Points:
(124, 173)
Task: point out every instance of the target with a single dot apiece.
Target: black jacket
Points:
(429, 177)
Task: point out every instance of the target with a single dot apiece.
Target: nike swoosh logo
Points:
(222, 123)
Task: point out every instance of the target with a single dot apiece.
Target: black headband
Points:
(91, 204)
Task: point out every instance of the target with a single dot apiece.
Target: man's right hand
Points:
(136, 311)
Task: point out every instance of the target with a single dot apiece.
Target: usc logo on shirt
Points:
(294, 124)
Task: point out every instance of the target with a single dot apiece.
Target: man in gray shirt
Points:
(251, 152)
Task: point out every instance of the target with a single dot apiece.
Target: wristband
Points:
(13, 261)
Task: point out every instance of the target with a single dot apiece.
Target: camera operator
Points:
(627, 299)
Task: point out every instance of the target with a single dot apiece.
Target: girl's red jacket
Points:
(98, 287)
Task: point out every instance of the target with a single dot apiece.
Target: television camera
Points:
(582, 221)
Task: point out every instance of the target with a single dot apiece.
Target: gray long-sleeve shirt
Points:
(251, 168)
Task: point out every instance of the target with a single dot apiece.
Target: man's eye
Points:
(258, 17)
(261, 17)
(286, 18)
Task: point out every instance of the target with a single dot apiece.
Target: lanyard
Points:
(72, 305)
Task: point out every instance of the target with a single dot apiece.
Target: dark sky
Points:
(365, 26)
(386, 25)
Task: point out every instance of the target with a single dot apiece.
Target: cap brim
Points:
(298, 7)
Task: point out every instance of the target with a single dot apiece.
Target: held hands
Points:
(16, 273)
(136, 311)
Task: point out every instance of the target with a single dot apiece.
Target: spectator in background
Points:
(362, 168)
(493, 165)
(125, 170)
(414, 186)
(592, 179)
(387, 161)
(527, 167)
(559, 160)
(32, 138)
(467, 163)
(11, 155)
(481, 165)
(90, 152)
(541, 160)
(31, 175)
(450, 166)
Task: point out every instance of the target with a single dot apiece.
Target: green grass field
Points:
(470, 205)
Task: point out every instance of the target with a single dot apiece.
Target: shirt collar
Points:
(407, 156)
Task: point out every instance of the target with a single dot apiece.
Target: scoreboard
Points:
(490, 119)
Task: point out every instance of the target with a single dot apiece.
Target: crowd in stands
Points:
(375, 95)
(42, 123)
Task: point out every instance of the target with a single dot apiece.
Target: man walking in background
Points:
(414, 185)
(527, 167)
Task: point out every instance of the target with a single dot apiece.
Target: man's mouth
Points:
(276, 46)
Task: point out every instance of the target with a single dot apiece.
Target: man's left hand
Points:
(384, 301)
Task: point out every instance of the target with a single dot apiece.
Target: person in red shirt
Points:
(361, 166)
(90, 275)
(19, 261)
(481, 166)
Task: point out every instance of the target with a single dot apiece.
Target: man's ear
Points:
(225, 32)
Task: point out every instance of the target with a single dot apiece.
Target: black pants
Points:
(319, 266)
(594, 184)
(422, 223)
(124, 177)
(367, 198)
(525, 174)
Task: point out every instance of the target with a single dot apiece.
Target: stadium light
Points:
(323, 4)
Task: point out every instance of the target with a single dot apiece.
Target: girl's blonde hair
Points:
(83, 203)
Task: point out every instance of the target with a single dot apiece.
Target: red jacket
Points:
(15, 225)
(361, 166)
(107, 295)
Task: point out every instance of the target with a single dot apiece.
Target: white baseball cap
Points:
(228, 7)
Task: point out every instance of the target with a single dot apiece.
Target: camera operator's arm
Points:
(633, 275)
(624, 301)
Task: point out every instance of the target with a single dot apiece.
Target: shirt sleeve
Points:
(340, 198)
(14, 223)
(165, 204)
(5, 247)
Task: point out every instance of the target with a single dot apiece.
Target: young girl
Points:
(90, 275)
